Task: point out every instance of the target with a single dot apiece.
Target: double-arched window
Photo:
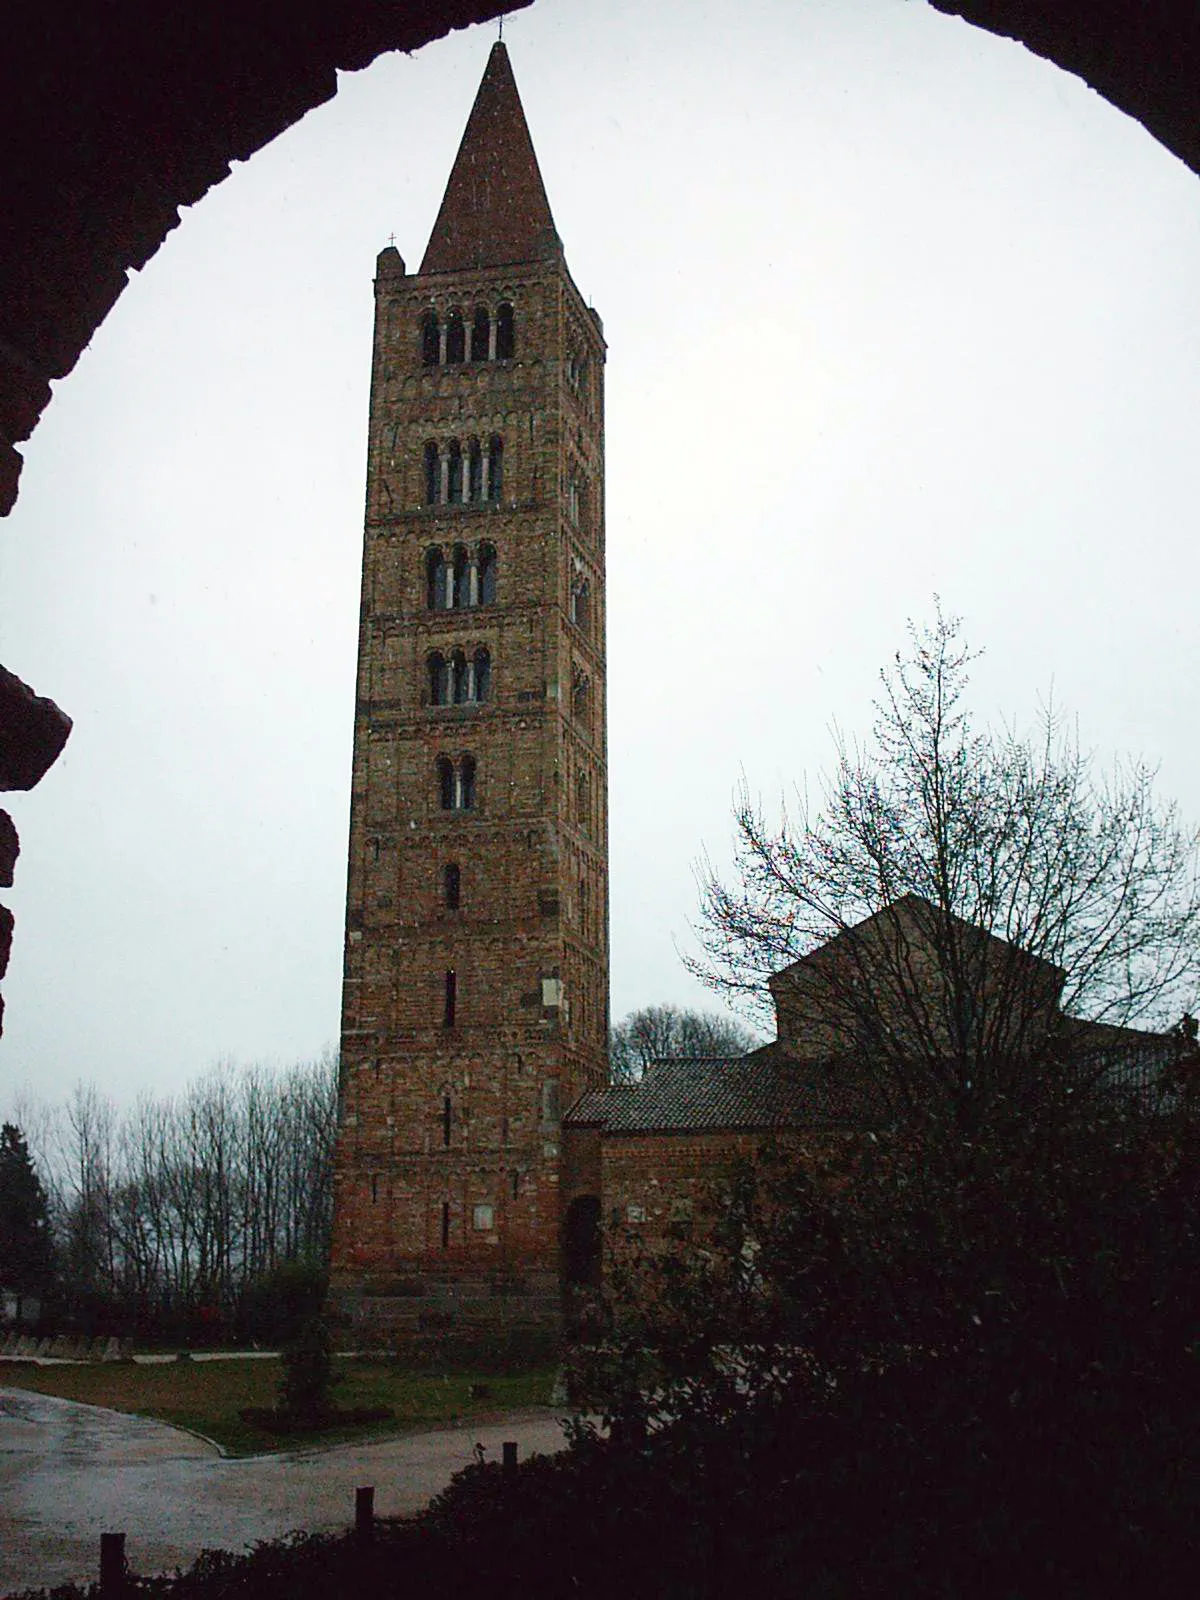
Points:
(461, 579)
(458, 679)
(456, 783)
(473, 334)
(463, 472)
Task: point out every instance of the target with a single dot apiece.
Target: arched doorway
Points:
(582, 1243)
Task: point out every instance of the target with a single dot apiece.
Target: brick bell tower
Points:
(476, 961)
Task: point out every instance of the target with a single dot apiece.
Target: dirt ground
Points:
(70, 1472)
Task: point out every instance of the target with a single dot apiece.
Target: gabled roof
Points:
(915, 917)
(761, 1093)
(495, 209)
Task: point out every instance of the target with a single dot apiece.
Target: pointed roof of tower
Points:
(495, 209)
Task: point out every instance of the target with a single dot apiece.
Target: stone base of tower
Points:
(465, 1306)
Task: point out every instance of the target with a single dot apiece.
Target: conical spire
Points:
(495, 209)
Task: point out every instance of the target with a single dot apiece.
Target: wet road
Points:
(70, 1472)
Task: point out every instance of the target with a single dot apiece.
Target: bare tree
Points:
(963, 903)
(657, 1031)
(175, 1208)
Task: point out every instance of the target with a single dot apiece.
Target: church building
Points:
(475, 1008)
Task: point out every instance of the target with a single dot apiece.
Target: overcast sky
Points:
(892, 305)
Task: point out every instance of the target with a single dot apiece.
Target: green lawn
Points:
(207, 1395)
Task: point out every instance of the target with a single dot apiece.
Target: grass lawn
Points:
(207, 1395)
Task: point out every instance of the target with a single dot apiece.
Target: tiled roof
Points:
(495, 209)
(761, 1092)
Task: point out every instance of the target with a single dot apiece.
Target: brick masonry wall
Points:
(448, 1169)
(658, 1190)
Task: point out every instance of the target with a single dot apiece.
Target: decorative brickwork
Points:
(476, 965)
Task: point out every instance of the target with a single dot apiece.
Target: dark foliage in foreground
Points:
(898, 1492)
(918, 1364)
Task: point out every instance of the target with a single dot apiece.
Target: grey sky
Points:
(892, 307)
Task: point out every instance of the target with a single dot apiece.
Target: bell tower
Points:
(475, 1004)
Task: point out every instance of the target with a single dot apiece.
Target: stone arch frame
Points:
(114, 159)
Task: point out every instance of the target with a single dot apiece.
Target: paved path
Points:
(70, 1472)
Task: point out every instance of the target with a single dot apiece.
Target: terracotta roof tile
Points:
(704, 1094)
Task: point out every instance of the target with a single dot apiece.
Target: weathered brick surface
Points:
(439, 1120)
(656, 1188)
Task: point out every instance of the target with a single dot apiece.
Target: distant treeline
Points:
(199, 1215)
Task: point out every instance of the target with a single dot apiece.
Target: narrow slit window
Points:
(451, 1001)
(447, 1119)
(445, 1224)
(452, 886)
(433, 474)
(374, 1188)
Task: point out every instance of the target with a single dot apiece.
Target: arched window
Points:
(433, 474)
(577, 499)
(447, 787)
(452, 886)
(479, 334)
(466, 783)
(455, 491)
(436, 667)
(483, 675)
(462, 578)
(435, 580)
(496, 469)
(583, 807)
(456, 342)
(474, 471)
(459, 678)
(581, 698)
(429, 339)
(506, 333)
(581, 599)
(487, 575)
